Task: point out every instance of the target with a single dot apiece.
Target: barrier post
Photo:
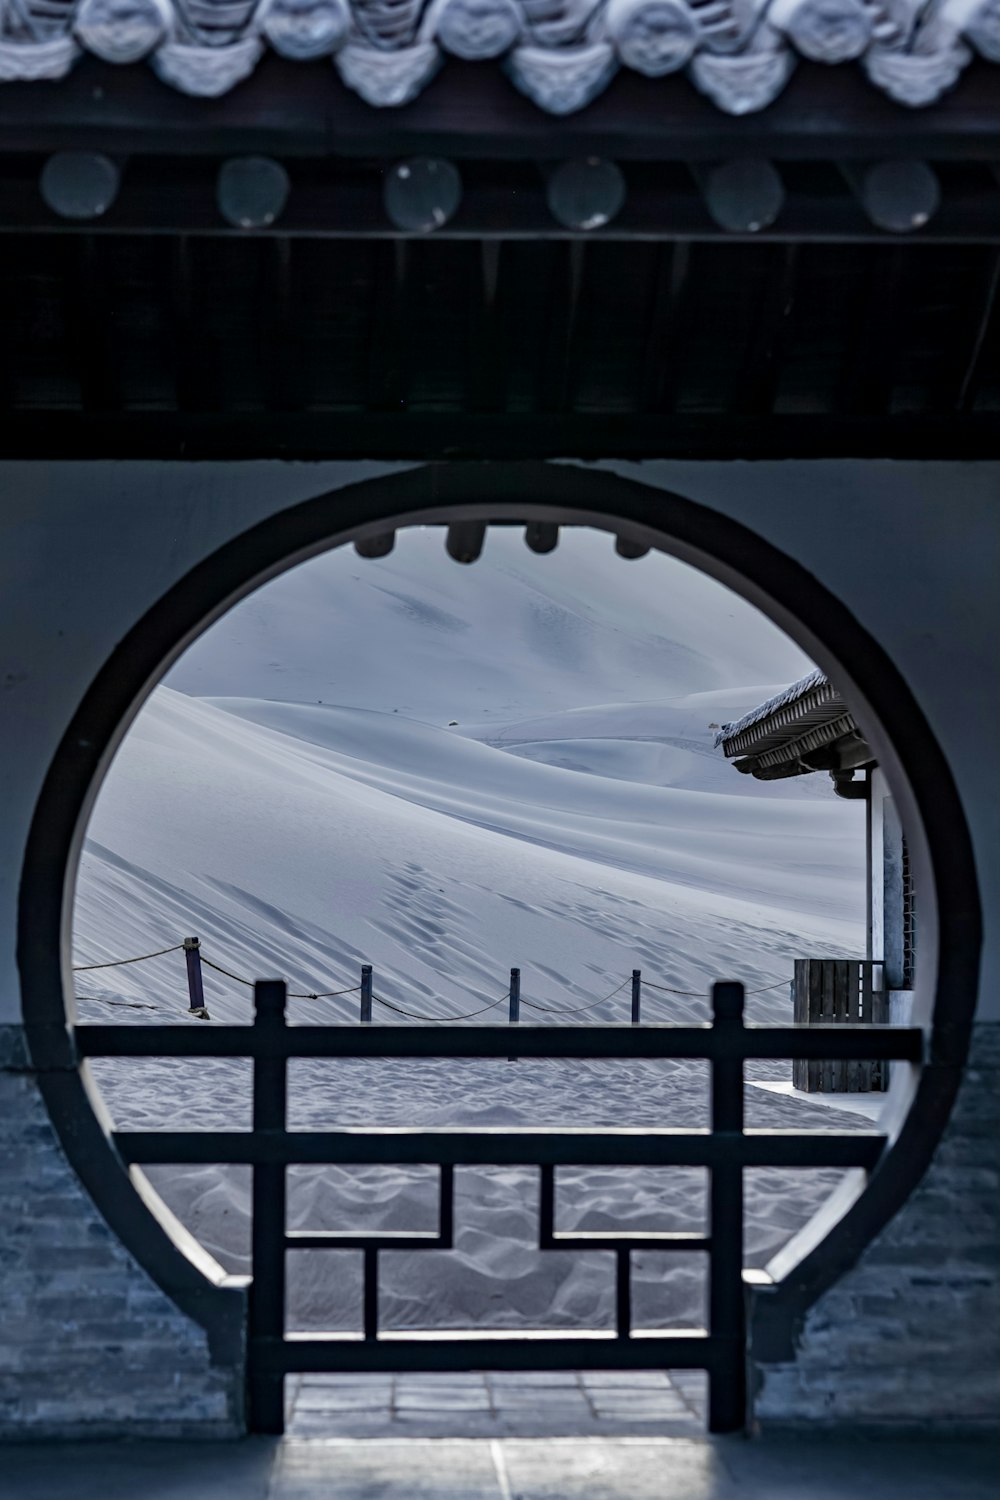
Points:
(366, 994)
(514, 1012)
(196, 991)
(636, 995)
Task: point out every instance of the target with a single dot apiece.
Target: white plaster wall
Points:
(911, 549)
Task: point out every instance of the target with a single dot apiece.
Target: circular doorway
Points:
(559, 495)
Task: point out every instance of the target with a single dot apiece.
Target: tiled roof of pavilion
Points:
(815, 687)
(560, 53)
(804, 728)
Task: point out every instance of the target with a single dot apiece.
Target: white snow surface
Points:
(299, 797)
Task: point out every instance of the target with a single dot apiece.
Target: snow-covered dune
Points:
(304, 841)
(446, 771)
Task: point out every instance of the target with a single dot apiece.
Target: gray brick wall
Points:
(90, 1345)
(912, 1333)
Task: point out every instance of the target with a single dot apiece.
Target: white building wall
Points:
(911, 549)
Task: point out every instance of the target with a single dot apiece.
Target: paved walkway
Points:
(848, 1468)
(569, 1403)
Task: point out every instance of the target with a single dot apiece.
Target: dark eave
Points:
(158, 330)
(471, 111)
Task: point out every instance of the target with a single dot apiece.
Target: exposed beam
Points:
(757, 380)
(986, 330)
(192, 355)
(388, 344)
(869, 370)
(9, 266)
(661, 359)
(87, 292)
(278, 331)
(487, 364)
(343, 200)
(559, 345)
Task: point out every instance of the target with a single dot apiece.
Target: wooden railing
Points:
(726, 1149)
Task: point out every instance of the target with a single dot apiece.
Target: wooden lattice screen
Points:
(828, 990)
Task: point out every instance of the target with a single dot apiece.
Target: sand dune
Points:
(300, 798)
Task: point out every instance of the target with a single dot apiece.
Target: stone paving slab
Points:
(442, 1401)
(141, 1471)
(387, 1471)
(629, 1379)
(635, 1469)
(847, 1467)
(562, 1470)
(495, 1404)
(520, 1379)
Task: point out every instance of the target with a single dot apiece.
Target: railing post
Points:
(196, 992)
(266, 1383)
(366, 994)
(636, 995)
(727, 1310)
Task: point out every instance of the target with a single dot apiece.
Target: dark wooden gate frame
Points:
(725, 1149)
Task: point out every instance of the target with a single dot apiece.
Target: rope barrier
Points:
(700, 994)
(121, 1004)
(648, 984)
(325, 995)
(228, 973)
(552, 1010)
(556, 1010)
(416, 1015)
(178, 947)
(118, 962)
(292, 994)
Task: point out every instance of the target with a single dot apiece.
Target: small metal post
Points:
(636, 995)
(514, 1013)
(515, 996)
(366, 994)
(196, 992)
(727, 1311)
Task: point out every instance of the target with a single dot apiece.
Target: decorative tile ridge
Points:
(560, 53)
